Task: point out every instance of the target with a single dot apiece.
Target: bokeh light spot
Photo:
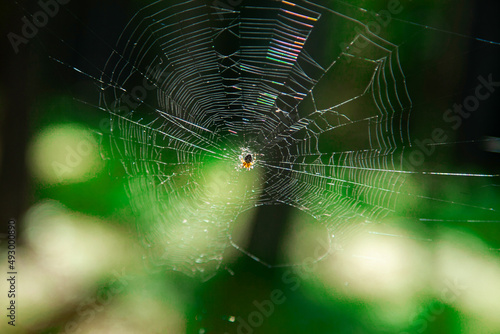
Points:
(64, 154)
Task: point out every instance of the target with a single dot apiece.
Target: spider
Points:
(247, 161)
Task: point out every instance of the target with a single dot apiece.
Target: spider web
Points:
(189, 87)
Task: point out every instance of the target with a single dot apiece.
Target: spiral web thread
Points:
(194, 83)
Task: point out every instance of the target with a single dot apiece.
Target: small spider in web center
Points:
(247, 161)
